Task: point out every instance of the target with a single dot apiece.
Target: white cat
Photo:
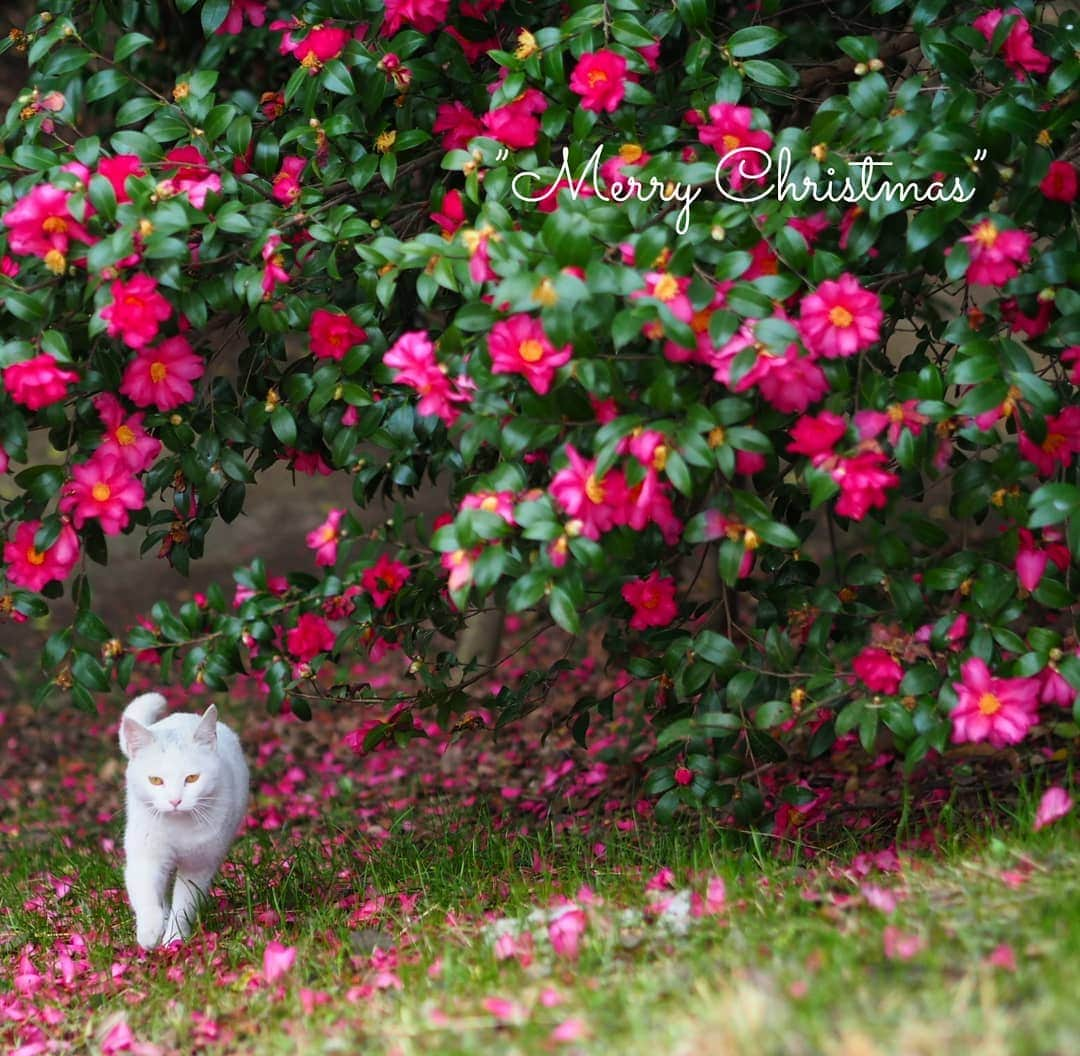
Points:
(187, 793)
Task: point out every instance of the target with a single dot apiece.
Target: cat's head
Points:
(171, 770)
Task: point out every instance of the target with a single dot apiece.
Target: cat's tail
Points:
(145, 710)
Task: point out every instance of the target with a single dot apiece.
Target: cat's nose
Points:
(174, 802)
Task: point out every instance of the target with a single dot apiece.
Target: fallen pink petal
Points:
(1054, 805)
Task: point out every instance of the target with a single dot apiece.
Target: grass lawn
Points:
(423, 904)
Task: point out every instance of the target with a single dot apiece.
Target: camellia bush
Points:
(745, 336)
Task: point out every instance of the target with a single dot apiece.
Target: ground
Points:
(476, 892)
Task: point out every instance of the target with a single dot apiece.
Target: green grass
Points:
(774, 973)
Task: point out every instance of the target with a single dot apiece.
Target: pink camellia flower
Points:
(457, 123)
(252, 10)
(424, 15)
(594, 502)
(37, 382)
(459, 565)
(651, 54)
(1060, 182)
(452, 214)
(137, 310)
(1031, 325)
(863, 484)
(1071, 358)
(274, 273)
(565, 931)
(1058, 446)
(518, 345)
(277, 960)
(1018, 51)
(105, 489)
(412, 356)
(790, 382)
(840, 318)
(895, 418)
(30, 568)
(477, 243)
(600, 79)
(332, 334)
(763, 261)
(320, 46)
(287, 182)
(647, 502)
(191, 176)
(117, 169)
(324, 539)
(125, 438)
(499, 502)
(9, 267)
(384, 579)
(1055, 804)
(310, 463)
(816, 436)
(618, 170)
(1055, 689)
(673, 291)
(40, 225)
(161, 377)
(811, 227)
(652, 599)
(879, 670)
(311, 635)
(998, 710)
(729, 130)
(1032, 557)
(474, 50)
(516, 125)
(995, 253)
(718, 526)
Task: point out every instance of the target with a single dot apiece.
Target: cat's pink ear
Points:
(206, 731)
(134, 737)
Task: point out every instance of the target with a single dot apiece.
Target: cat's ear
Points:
(206, 731)
(135, 737)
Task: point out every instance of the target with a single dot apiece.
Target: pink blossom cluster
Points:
(412, 358)
(863, 480)
(599, 503)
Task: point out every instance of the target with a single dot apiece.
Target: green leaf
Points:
(629, 31)
(87, 671)
(130, 43)
(753, 40)
(527, 591)
(919, 680)
(284, 425)
(213, 14)
(770, 74)
(336, 78)
(41, 483)
(715, 648)
(105, 83)
(563, 610)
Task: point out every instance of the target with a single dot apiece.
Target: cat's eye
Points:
(156, 781)
(191, 779)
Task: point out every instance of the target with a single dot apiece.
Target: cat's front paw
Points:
(175, 930)
(148, 930)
